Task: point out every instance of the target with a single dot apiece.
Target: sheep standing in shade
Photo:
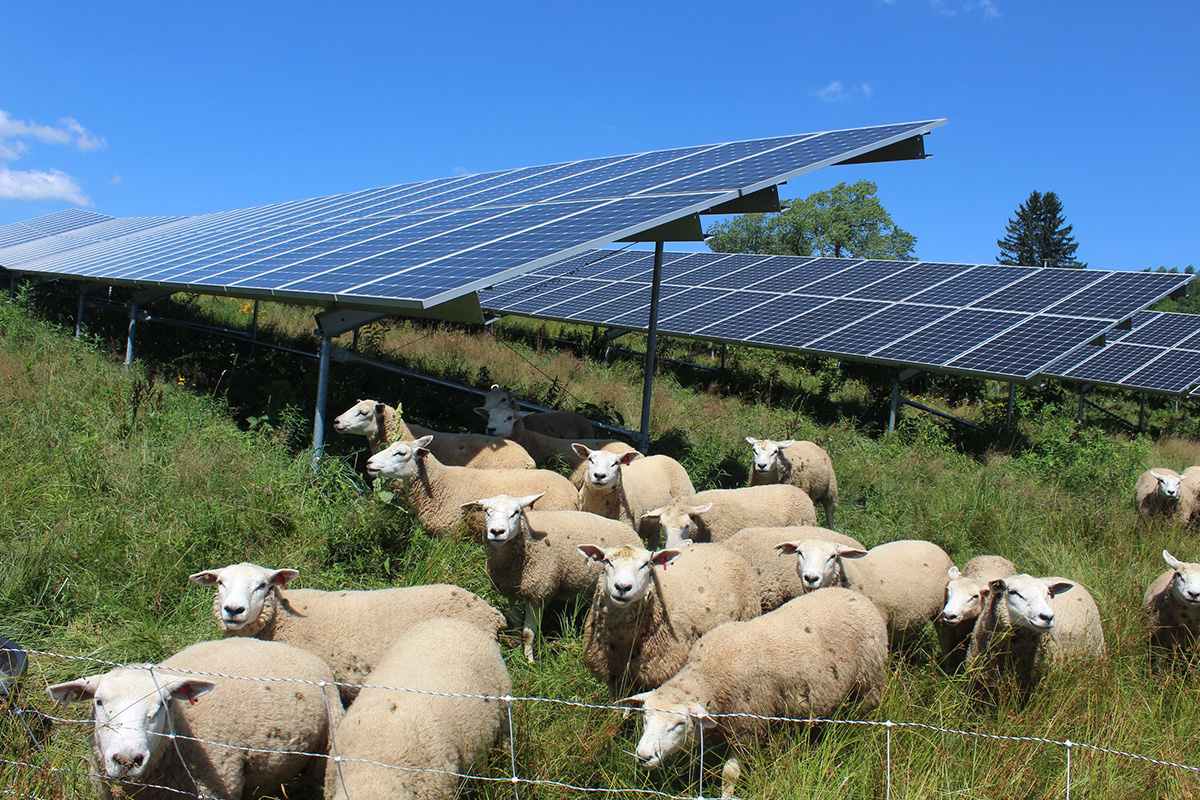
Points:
(804, 660)
(802, 464)
(778, 580)
(1172, 608)
(965, 595)
(626, 486)
(426, 739)
(650, 608)
(382, 425)
(548, 451)
(556, 424)
(534, 556)
(1157, 494)
(905, 579)
(217, 721)
(349, 630)
(436, 492)
(717, 514)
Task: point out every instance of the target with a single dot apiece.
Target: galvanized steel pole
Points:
(651, 348)
(322, 401)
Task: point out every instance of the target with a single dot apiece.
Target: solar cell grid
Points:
(1117, 294)
(971, 285)
(852, 278)
(778, 276)
(724, 306)
(1040, 289)
(710, 270)
(578, 306)
(670, 303)
(1173, 372)
(1112, 363)
(743, 326)
(1030, 346)
(1166, 330)
(949, 337)
(814, 324)
(866, 336)
(908, 281)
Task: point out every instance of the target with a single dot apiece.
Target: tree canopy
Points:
(847, 221)
(1038, 235)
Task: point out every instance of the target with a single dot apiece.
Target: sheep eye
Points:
(1015, 594)
(99, 702)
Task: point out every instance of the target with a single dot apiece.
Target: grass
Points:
(117, 484)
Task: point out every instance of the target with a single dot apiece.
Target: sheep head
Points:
(670, 722)
(964, 598)
(766, 452)
(1168, 485)
(242, 591)
(399, 460)
(678, 521)
(603, 467)
(502, 516)
(819, 562)
(628, 570)
(1185, 585)
(1027, 600)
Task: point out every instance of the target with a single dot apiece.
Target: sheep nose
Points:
(496, 533)
(1046, 617)
(1193, 594)
(812, 581)
(491, 431)
(623, 588)
(951, 618)
(138, 759)
(235, 611)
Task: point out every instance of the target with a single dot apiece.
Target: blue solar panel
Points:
(1040, 289)
(892, 323)
(818, 322)
(793, 274)
(1030, 346)
(1114, 363)
(1173, 372)
(742, 326)
(946, 339)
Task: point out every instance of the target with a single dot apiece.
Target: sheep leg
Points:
(828, 503)
(730, 774)
(533, 624)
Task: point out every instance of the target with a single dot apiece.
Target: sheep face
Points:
(498, 398)
(360, 419)
(1028, 600)
(628, 570)
(670, 724)
(1168, 485)
(964, 598)
(818, 562)
(603, 467)
(766, 452)
(399, 460)
(678, 522)
(502, 516)
(501, 419)
(1185, 586)
(242, 590)
(130, 710)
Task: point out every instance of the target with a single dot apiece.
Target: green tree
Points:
(847, 221)
(1038, 235)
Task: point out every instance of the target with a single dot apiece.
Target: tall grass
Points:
(117, 484)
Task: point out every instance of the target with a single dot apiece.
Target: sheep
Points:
(778, 579)
(139, 711)
(800, 463)
(804, 660)
(1010, 632)
(436, 492)
(533, 556)
(643, 621)
(1078, 632)
(1189, 497)
(1157, 494)
(382, 425)
(717, 514)
(626, 486)
(350, 630)
(1172, 608)
(556, 424)
(965, 593)
(426, 739)
(906, 579)
(547, 451)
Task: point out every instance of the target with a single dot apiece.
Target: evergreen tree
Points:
(1038, 235)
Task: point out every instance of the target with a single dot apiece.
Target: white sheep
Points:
(1078, 632)
(349, 630)
(1009, 637)
(651, 607)
(965, 595)
(382, 425)
(906, 579)
(804, 660)
(139, 711)
(801, 463)
(1189, 497)
(436, 492)
(534, 556)
(556, 424)
(778, 579)
(626, 486)
(1157, 494)
(1172, 608)
(547, 451)
(425, 739)
(717, 514)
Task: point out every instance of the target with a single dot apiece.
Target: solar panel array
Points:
(980, 319)
(420, 244)
(1160, 354)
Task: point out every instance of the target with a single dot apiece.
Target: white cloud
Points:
(40, 185)
(832, 93)
(837, 91)
(116, 178)
(15, 135)
(951, 8)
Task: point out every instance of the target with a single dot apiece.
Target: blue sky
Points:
(183, 107)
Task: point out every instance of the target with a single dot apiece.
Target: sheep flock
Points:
(708, 610)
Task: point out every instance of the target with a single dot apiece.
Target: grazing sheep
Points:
(556, 424)
(533, 556)
(804, 660)
(431, 738)
(717, 514)
(803, 464)
(906, 579)
(643, 620)
(436, 492)
(1009, 635)
(778, 580)
(382, 425)
(1078, 632)
(547, 451)
(137, 709)
(965, 593)
(349, 630)
(1172, 608)
(1157, 494)
(626, 486)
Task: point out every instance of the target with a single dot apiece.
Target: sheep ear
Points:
(634, 700)
(1171, 560)
(784, 444)
(1060, 587)
(483, 412)
(282, 577)
(471, 505)
(664, 557)
(593, 552)
(1158, 476)
(694, 510)
(628, 458)
(953, 573)
(381, 409)
(423, 442)
(189, 689)
(494, 387)
(529, 500)
(208, 576)
(846, 551)
(997, 586)
(74, 691)
(751, 440)
(700, 713)
(580, 450)
(654, 513)
(788, 548)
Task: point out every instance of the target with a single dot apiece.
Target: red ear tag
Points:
(190, 697)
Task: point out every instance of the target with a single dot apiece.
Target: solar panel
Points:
(1160, 354)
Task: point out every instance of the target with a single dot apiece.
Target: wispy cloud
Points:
(40, 185)
(952, 8)
(16, 138)
(15, 133)
(837, 91)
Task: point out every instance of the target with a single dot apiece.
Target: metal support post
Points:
(1008, 412)
(79, 314)
(1082, 392)
(322, 401)
(1142, 414)
(651, 348)
(722, 356)
(133, 317)
(254, 330)
(895, 405)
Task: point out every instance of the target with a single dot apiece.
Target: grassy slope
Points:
(106, 513)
